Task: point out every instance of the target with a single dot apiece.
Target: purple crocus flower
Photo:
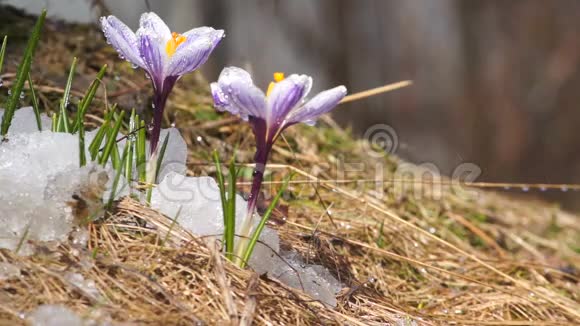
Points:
(164, 55)
(269, 114)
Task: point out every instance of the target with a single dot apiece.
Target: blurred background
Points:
(496, 83)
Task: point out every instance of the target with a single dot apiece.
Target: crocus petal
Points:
(200, 31)
(194, 52)
(155, 26)
(122, 39)
(318, 105)
(236, 88)
(286, 95)
(153, 58)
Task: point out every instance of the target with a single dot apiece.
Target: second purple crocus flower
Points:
(164, 55)
(283, 105)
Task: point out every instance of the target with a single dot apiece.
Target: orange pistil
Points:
(173, 43)
(278, 77)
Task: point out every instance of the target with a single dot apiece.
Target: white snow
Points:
(175, 155)
(39, 174)
(197, 200)
(24, 121)
(86, 285)
(54, 315)
(8, 271)
(40, 182)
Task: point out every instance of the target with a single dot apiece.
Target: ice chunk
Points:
(315, 280)
(88, 286)
(196, 203)
(24, 121)
(42, 188)
(175, 156)
(8, 271)
(54, 315)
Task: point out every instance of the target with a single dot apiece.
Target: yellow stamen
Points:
(173, 43)
(278, 77)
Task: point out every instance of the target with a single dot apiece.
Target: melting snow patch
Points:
(54, 315)
(8, 271)
(40, 183)
(195, 202)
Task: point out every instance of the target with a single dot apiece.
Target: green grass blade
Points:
(68, 86)
(35, 106)
(161, 156)
(230, 212)
(118, 174)
(258, 231)
(129, 164)
(54, 122)
(82, 150)
(112, 140)
(21, 75)
(63, 122)
(173, 223)
(3, 51)
(141, 153)
(95, 145)
(221, 186)
(88, 98)
(115, 157)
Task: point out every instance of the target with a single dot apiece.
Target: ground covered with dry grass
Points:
(406, 253)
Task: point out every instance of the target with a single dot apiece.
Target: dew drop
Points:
(134, 66)
(9, 92)
(525, 189)
(564, 188)
(432, 230)
(199, 139)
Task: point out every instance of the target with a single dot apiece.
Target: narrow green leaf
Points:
(21, 75)
(63, 123)
(129, 164)
(23, 238)
(222, 188)
(260, 227)
(95, 145)
(141, 153)
(68, 86)
(54, 122)
(118, 174)
(112, 140)
(115, 157)
(88, 98)
(35, 105)
(161, 156)
(230, 212)
(173, 223)
(82, 154)
(3, 51)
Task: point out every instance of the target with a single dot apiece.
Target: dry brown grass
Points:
(469, 258)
